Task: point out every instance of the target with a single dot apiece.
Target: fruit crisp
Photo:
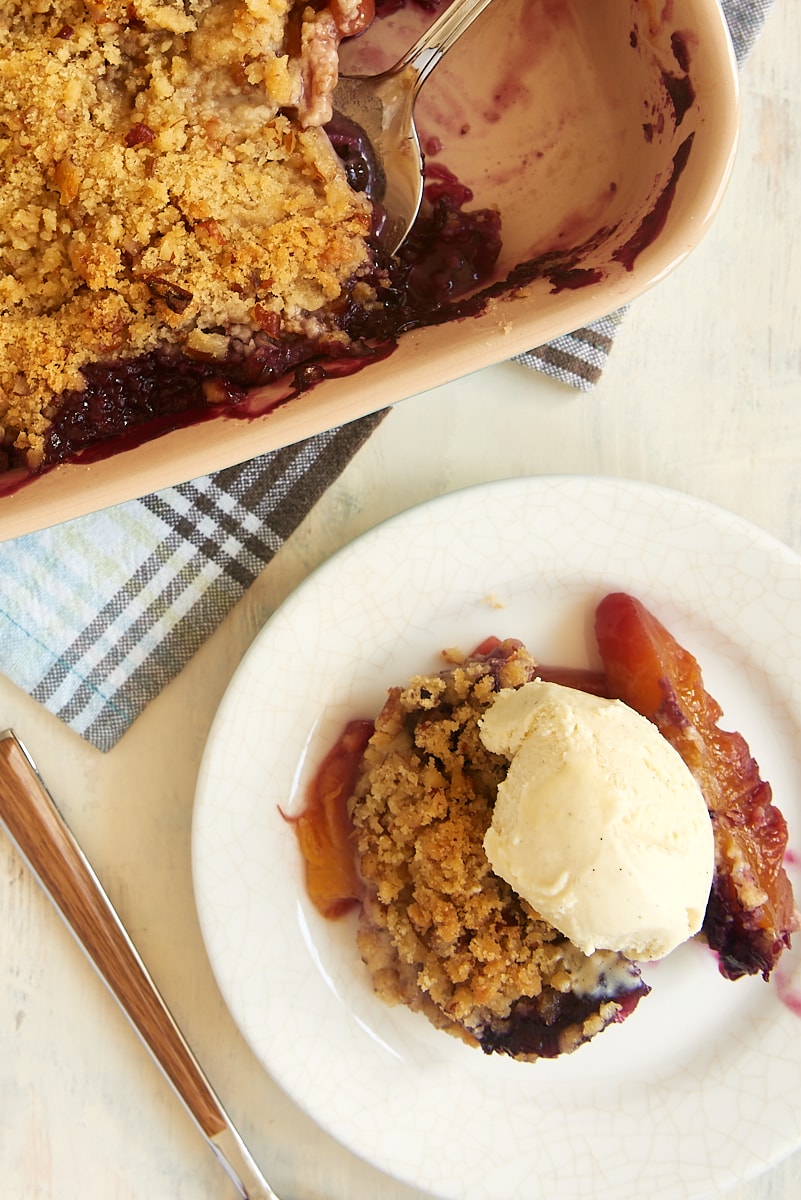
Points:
(155, 191)
(396, 819)
(438, 930)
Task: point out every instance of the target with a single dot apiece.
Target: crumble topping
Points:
(155, 189)
(439, 931)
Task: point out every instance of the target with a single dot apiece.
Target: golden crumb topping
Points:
(439, 931)
(154, 189)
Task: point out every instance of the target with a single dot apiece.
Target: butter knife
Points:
(41, 835)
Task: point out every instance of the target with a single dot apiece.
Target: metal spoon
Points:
(38, 830)
(383, 105)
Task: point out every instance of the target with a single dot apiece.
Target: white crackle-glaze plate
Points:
(701, 1087)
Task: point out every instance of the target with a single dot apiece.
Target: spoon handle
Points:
(41, 835)
(437, 40)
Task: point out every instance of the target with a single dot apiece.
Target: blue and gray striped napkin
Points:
(97, 615)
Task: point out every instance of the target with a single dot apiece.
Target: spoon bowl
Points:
(382, 106)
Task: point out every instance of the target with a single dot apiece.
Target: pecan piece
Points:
(175, 297)
(139, 135)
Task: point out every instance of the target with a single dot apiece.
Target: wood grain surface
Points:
(50, 850)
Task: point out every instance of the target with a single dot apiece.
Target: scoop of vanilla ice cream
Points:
(599, 823)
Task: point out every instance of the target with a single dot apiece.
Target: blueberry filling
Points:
(449, 252)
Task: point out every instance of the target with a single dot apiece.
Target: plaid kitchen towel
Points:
(578, 359)
(98, 614)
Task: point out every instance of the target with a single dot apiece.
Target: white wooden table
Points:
(703, 393)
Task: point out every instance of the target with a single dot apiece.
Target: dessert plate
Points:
(701, 1087)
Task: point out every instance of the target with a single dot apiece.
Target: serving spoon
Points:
(383, 107)
(35, 825)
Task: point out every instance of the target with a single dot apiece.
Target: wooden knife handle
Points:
(43, 838)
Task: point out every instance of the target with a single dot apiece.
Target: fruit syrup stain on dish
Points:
(382, 106)
(442, 272)
(472, 949)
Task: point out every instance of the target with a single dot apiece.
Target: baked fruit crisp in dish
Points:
(396, 821)
(175, 224)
